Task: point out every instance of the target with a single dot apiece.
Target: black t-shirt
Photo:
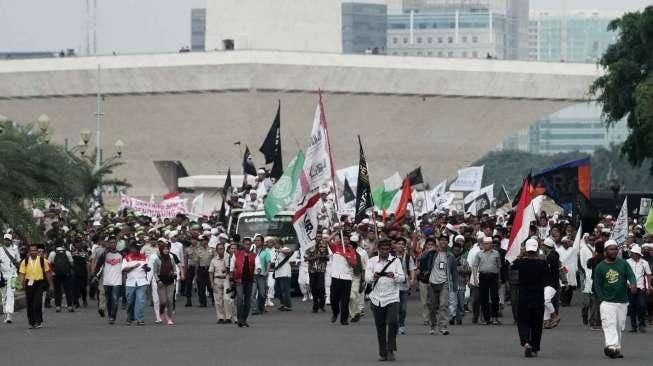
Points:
(533, 273)
(248, 276)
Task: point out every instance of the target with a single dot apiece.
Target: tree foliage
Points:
(626, 88)
(508, 168)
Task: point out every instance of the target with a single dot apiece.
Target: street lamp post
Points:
(98, 119)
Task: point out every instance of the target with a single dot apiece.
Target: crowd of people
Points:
(455, 261)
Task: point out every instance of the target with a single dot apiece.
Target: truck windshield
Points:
(280, 226)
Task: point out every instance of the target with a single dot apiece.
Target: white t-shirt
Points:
(284, 270)
(112, 272)
(641, 270)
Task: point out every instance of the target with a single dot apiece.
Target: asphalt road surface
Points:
(293, 338)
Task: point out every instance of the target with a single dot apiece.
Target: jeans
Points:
(385, 320)
(261, 291)
(457, 304)
(136, 296)
(530, 324)
(489, 291)
(243, 300)
(403, 307)
(284, 291)
(340, 290)
(317, 289)
(112, 294)
(63, 285)
(34, 300)
(637, 309)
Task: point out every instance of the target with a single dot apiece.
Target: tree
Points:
(31, 169)
(626, 88)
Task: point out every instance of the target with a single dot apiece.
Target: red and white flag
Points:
(305, 222)
(526, 212)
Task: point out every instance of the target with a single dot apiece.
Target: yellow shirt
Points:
(34, 271)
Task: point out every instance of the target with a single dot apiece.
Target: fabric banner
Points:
(444, 201)
(165, 209)
(469, 179)
(317, 165)
(393, 182)
(479, 200)
(305, 222)
(282, 193)
(644, 206)
(620, 229)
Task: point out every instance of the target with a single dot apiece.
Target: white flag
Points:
(444, 201)
(305, 222)
(317, 165)
(351, 173)
(620, 229)
(440, 189)
(393, 182)
(197, 205)
(469, 179)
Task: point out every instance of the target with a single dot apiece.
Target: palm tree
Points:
(31, 169)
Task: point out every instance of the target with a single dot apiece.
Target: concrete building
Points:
(441, 114)
(576, 128)
(580, 36)
(284, 25)
(197, 29)
(364, 27)
(460, 29)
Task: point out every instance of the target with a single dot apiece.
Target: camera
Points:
(146, 268)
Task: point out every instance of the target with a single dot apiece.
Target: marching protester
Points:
(109, 274)
(356, 295)
(282, 274)
(317, 257)
(637, 300)
(408, 267)
(219, 274)
(35, 277)
(242, 267)
(385, 274)
(532, 271)
(62, 263)
(263, 261)
(135, 266)
(167, 272)
(487, 264)
(343, 261)
(443, 280)
(613, 278)
(9, 264)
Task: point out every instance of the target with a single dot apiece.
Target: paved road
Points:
(291, 338)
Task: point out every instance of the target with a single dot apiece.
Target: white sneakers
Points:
(8, 319)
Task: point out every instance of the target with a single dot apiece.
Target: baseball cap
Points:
(531, 245)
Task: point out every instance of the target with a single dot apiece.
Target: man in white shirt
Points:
(586, 252)
(385, 273)
(136, 267)
(282, 275)
(111, 268)
(637, 304)
(9, 261)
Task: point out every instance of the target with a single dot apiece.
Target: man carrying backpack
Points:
(35, 277)
(62, 267)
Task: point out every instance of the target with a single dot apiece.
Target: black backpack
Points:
(61, 264)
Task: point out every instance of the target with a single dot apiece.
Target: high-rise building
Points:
(460, 29)
(580, 36)
(576, 128)
(364, 27)
(197, 29)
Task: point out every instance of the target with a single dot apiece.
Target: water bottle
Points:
(13, 282)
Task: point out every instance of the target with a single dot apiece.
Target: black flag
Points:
(248, 163)
(415, 177)
(363, 190)
(271, 147)
(227, 184)
(348, 193)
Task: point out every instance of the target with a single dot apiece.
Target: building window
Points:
(439, 53)
(474, 39)
(475, 54)
(430, 53)
(465, 54)
(394, 40)
(464, 39)
(439, 39)
(405, 53)
(419, 39)
(450, 54)
(405, 40)
(419, 53)
(450, 39)
(394, 54)
(430, 40)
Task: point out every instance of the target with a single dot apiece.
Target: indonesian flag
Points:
(527, 209)
(171, 195)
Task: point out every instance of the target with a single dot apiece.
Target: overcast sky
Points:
(149, 25)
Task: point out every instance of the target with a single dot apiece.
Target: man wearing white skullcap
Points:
(612, 279)
(637, 301)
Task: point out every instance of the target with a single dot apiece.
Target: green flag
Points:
(382, 198)
(283, 191)
(649, 221)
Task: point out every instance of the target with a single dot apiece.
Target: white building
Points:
(287, 25)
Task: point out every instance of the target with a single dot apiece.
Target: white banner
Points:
(440, 189)
(165, 209)
(620, 229)
(469, 179)
(444, 201)
(305, 223)
(317, 165)
(475, 196)
(644, 205)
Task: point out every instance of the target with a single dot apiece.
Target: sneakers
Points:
(496, 322)
(140, 322)
(402, 330)
(101, 312)
(528, 351)
(391, 356)
(305, 298)
(444, 331)
(38, 326)
(171, 322)
(432, 331)
(8, 319)
(71, 309)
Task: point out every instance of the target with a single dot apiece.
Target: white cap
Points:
(549, 242)
(531, 245)
(609, 217)
(450, 227)
(8, 236)
(480, 235)
(459, 237)
(487, 239)
(261, 171)
(215, 231)
(223, 236)
(365, 221)
(609, 243)
(636, 249)
(354, 238)
(172, 234)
